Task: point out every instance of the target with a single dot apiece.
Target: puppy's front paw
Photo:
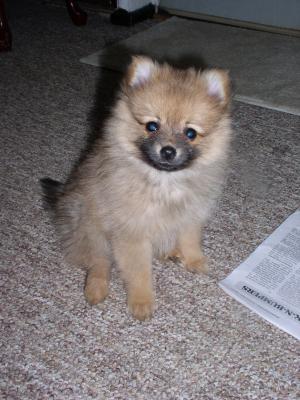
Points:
(96, 290)
(141, 306)
(197, 266)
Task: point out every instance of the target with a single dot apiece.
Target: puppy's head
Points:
(169, 114)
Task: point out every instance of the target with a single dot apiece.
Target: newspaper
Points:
(268, 281)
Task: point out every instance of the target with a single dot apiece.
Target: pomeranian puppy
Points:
(148, 186)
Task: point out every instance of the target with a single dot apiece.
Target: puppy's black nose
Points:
(168, 153)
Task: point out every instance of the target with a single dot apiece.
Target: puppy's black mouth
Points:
(150, 156)
(165, 166)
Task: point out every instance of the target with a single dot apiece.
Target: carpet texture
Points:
(264, 66)
(200, 344)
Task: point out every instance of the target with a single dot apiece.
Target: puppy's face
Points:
(171, 113)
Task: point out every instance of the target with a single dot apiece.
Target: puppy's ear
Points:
(217, 84)
(140, 71)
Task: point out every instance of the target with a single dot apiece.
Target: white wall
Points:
(281, 13)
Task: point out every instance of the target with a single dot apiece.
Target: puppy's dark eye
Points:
(152, 126)
(190, 133)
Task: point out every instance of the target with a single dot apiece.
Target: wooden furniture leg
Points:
(5, 34)
(78, 16)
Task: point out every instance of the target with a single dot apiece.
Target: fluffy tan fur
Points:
(117, 207)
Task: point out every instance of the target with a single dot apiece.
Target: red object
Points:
(78, 16)
(5, 34)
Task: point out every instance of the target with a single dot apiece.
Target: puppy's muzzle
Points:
(166, 156)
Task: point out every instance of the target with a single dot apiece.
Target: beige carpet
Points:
(200, 344)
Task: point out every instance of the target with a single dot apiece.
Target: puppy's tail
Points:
(51, 190)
